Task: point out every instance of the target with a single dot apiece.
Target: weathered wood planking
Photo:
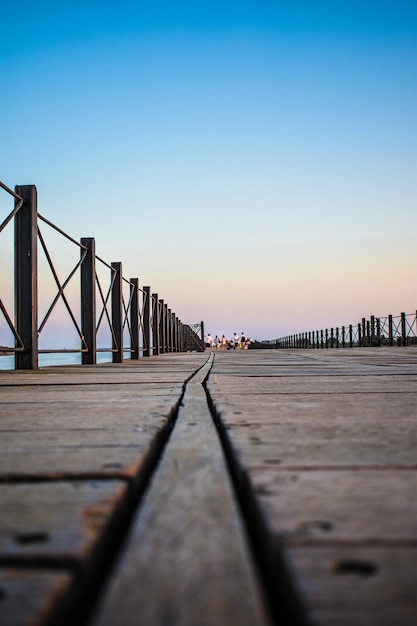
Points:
(59, 429)
(326, 461)
(186, 561)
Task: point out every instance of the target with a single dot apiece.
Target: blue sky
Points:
(254, 162)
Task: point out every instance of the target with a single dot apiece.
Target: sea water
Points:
(63, 358)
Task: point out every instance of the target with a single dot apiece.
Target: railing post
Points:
(364, 335)
(116, 313)
(390, 331)
(26, 277)
(147, 321)
(174, 333)
(360, 335)
(169, 330)
(180, 336)
(166, 326)
(88, 300)
(403, 330)
(350, 336)
(134, 318)
(155, 324)
(378, 331)
(202, 334)
(162, 326)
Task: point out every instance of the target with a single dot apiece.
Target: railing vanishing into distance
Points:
(117, 309)
(400, 330)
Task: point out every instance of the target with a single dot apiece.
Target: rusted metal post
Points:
(390, 331)
(343, 337)
(166, 326)
(363, 335)
(162, 326)
(169, 330)
(155, 324)
(88, 300)
(359, 334)
(147, 321)
(134, 318)
(26, 277)
(180, 336)
(403, 330)
(174, 333)
(378, 331)
(350, 336)
(116, 313)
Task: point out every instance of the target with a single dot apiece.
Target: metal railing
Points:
(108, 307)
(400, 330)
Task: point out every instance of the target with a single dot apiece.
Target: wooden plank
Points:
(354, 586)
(59, 522)
(33, 597)
(325, 443)
(186, 561)
(327, 467)
(250, 385)
(331, 506)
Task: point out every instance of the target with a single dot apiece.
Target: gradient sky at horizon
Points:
(254, 162)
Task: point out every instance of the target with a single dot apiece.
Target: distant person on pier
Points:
(208, 341)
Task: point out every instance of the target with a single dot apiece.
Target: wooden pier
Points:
(241, 488)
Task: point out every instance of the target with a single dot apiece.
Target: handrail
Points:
(16, 209)
(400, 330)
(149, 325)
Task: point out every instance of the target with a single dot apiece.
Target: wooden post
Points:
(88, 300)
(116, 313)
(134, 318)
(26, 277)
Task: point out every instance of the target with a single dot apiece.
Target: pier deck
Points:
(241, 488)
